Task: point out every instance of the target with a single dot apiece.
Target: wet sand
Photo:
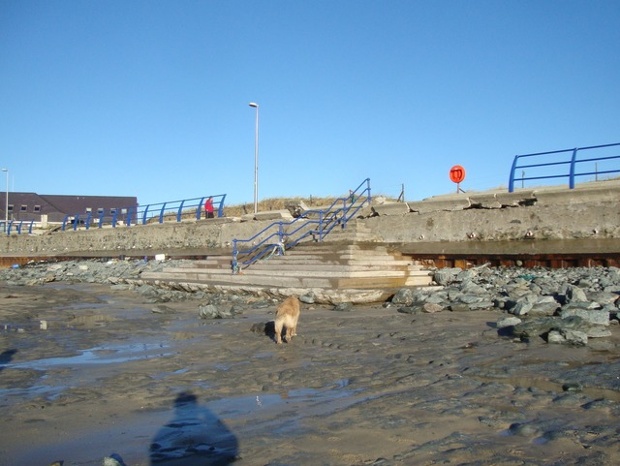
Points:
(87, 371)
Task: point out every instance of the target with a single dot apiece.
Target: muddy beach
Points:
(89, 370)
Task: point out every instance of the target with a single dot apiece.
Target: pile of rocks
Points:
(86, 271)
(126, 275)
(559, 305)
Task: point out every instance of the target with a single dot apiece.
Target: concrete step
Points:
(318, 265)
(241, 280)
(309, 265)
(279, 281)
(317, 272)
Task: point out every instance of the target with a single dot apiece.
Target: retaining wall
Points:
(592, 211)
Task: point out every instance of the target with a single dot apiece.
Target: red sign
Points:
(457, 174)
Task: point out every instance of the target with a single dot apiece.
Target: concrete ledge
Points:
(283, 214)
(390, 208)
(516, 198)
(485, 201)
(431, 205)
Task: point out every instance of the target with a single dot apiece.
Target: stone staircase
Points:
(322, 265)
(349, 260)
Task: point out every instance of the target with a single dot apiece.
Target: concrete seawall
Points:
(589, 212)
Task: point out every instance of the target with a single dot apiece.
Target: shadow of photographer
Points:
(195, 436)
(6, 357)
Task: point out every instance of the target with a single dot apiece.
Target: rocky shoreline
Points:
(571, 306)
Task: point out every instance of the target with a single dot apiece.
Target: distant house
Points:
(54, 208)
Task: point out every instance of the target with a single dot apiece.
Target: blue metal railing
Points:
(18, 225)
(171, 211)
(311, 225)
(565, 157)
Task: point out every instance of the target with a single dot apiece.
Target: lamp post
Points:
(255, 105)
(6, 204)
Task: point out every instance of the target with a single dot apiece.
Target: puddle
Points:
(44, 391)
(242, 406)
(85, 321)
(98, 355)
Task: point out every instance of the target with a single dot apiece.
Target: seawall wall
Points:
(590, 212)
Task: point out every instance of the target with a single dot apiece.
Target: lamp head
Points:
(253, 104)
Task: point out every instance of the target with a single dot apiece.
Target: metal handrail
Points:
(174, 211)
(312, 224)
(571, 162)
(18, 225)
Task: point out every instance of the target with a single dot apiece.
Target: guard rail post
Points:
(180, 211)
(571, 177)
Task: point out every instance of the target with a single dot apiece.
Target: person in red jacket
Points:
(209, 208)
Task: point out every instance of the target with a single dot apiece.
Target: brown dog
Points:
(287, 316)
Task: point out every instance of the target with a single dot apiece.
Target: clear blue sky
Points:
(150, 98)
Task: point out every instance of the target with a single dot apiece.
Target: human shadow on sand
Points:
(6, 357)
(194, 437)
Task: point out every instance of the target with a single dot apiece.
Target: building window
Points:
(10, 207)
(99, 210)
(23, 208)
(37, 208)
(89, 209)
(112, 211)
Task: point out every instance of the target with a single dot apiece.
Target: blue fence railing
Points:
(566, 163)
(19, 226)
(171, 211)
(311, 225)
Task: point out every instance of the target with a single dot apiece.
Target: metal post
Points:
(255, 105)
(6, 207)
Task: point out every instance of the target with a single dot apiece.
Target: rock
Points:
(161, 309)
(572, 387)
(343, 307)
(576, 294)
(523, 429)
(446, 276)
(544, 306)
(210, 311)
(416, 309)
(593, 316)
(568, 336)
(534, 327)
(521, 308)
(307, 298)
(604, 298)
(506, 322)
(598, 331)
(403, 296)
(431, 308)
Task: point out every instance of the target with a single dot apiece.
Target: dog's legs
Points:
(278, 331)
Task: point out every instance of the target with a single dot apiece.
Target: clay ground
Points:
(103, 373)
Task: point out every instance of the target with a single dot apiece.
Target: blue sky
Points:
(150, 98)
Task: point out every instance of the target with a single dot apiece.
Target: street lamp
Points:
(6, 206)
(255, 105)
